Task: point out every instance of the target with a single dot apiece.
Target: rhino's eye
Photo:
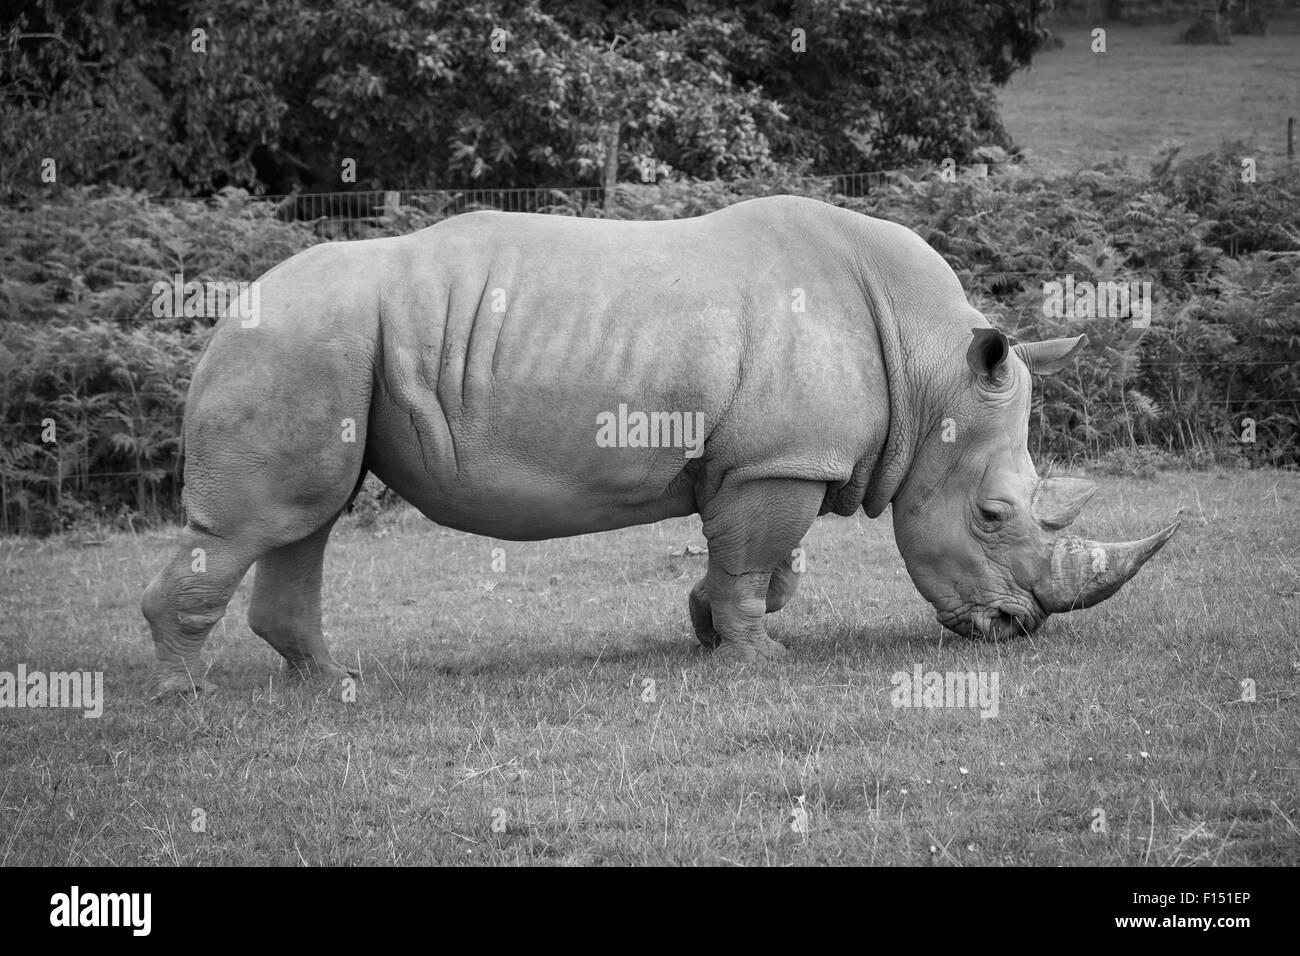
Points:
(990, 515)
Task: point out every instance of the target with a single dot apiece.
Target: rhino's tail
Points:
(180, 449)
(356, 489)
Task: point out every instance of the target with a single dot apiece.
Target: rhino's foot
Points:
(702, 621)
(709, 639)
(320, 670)
(702, 617)
(749, 652)
(176, 681)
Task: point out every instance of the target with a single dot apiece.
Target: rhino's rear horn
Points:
(1058, 501)
(1084, 573)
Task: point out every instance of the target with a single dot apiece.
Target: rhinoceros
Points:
(528, 376)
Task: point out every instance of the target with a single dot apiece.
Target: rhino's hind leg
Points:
(189, 596)
(286, 607)
(185, 601)
(751, 529)
(275, 505)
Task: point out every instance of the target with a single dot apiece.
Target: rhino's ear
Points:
(1044, 358)
(988, 355)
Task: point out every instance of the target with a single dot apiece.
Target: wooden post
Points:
(611, 164)
(1290, 138)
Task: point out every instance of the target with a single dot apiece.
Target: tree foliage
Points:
(187, 97)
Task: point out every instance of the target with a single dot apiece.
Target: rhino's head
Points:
(980, 532)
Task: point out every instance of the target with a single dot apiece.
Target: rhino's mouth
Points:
(997, 622)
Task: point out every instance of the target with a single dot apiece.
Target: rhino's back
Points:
(504, 339)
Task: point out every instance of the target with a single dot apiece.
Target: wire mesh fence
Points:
(359, 206)
(375, 205)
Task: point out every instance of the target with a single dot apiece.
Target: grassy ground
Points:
(1075, 107)
(519, 697)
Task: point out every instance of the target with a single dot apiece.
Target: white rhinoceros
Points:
(529, 376)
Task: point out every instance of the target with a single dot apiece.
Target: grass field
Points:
(1075, 107)
(520, 697)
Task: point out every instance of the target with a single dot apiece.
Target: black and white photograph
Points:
(651, 433)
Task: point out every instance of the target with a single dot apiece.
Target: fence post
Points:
(1290, 138)
(611, 164)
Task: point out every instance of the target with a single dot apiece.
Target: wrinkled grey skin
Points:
(486, 420)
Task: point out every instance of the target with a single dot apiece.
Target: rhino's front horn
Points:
(1085, 573)
(1058, 501)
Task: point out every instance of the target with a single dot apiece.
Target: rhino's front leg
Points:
(751, 529)
(702, 615)
(782, 586)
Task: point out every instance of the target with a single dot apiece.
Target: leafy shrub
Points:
(1247, 22)
(96, 255)
(1136, 461)
(1205, 30)
(372, 500)
(1238, 217)
(90, 416)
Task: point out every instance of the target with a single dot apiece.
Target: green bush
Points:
(96, 255)
(90, 416)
